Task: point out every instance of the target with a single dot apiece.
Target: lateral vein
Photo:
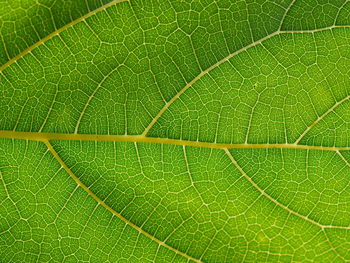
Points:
(227, 58)
(110, 209)
(239, 168)
(320, 118)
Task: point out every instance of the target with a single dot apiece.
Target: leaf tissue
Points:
(174, 131)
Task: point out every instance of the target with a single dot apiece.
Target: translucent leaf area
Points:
(175, 131)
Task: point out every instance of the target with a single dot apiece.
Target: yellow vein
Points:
(333, 247)
(321, 118)
(91, 97)
(167, 105)
(14, 204)
(274, 200)
(285, 13)
(339, 10)
(5, 187)
(42, 136)
(58, 31)
(343, 158)
(115, 213)
(202, 73)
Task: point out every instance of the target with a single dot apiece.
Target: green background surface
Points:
(231, 123)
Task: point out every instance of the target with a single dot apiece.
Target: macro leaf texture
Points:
(175, 131)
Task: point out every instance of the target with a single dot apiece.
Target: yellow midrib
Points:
(42, 136)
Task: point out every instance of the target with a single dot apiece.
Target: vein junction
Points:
(41, 136)
(276, 202)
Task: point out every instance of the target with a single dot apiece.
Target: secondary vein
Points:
(239, 168)
(331, 109)
(231, 55)
(110, 209)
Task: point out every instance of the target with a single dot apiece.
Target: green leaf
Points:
(178, 131)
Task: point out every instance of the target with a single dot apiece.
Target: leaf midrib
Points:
(42, 136)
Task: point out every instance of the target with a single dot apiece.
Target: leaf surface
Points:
(175, 131)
